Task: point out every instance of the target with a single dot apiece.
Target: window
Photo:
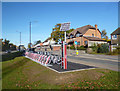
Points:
(78, 43)
(115, 36)
(78, 34)
(67, 37)
(71, 36)
(92, 35)
(86, 42)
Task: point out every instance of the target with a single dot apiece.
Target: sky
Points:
(16, 17)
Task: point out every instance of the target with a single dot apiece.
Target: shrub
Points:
(115, 52)
(94, 47)
(103, 48)
(9, 56)
(72, 47)
(67, 47)
(81, 48)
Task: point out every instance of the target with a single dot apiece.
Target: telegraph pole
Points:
(30, 35)
(20, 38)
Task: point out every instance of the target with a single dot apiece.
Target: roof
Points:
(94, 38)
(116, 32)
(47, 39)
(82, 30)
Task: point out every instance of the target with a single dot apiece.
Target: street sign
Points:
(65, 26)
(75, 42)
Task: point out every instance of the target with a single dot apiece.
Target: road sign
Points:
(65, 26)
(75, 42)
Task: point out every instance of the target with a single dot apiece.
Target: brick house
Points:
(115, 38)
(86, 36)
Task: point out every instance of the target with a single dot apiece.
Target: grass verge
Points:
(22, 73)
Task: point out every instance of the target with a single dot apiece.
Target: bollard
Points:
(77, 52)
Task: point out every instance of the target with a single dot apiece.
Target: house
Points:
(115, 38)
(48, 45)
(85, 36)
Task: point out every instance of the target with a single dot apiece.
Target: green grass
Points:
(22, 73)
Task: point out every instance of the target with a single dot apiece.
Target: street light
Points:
(30, 32)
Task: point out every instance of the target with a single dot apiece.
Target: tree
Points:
(5, 45)
(58, 35)
(37, 42)
(104, 34)
(29, 45)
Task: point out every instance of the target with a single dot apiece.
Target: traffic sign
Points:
(65, 26)
(75, 42)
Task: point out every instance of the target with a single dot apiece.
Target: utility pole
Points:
(30, 32)
(30, 35)
(20, 38)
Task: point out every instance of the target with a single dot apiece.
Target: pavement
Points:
(101, 61)
(71, 66)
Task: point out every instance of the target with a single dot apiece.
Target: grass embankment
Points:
(22, 73)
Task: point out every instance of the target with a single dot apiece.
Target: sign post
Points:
(64, 27)
(76, 47)
(62, 64)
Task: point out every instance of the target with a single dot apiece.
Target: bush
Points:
(103, 48)
(10, 56)
(81, 48)
(94, 47)
(114, 52)
(100, 48)
(72, 47)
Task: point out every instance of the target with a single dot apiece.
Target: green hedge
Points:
(9, 56)
(100, 48)
(78, 48)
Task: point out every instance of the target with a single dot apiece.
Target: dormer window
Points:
(78, 35)
(71, 36)
(92, 35)
(67, 37)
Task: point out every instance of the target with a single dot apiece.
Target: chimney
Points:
(96, 29)
(96, 26)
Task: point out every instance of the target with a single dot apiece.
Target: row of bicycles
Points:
(44, 58)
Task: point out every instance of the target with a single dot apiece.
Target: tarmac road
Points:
(101, 61)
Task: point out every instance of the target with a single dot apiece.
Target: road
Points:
(101, 61)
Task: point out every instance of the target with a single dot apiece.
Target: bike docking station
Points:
(57, 63)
